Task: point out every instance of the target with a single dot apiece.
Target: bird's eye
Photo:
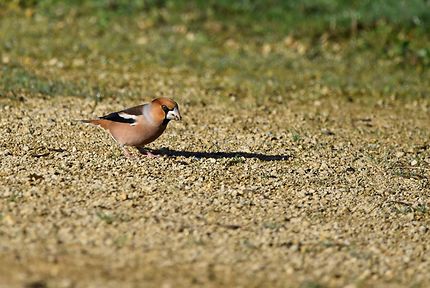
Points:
(165, 109)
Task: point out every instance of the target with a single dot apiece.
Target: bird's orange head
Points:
(166, 108)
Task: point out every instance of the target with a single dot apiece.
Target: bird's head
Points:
(167, 109)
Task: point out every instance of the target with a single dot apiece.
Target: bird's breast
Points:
(135, 135)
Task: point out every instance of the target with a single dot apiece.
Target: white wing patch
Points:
(127, 116)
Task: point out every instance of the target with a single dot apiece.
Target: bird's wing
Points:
(125, 116)
(136, 110)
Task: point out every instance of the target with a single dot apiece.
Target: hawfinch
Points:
(140, 125)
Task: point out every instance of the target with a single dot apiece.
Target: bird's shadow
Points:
(219, 155)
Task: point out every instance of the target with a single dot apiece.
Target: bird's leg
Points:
(124, 149)
(145, 152)
(127, 153)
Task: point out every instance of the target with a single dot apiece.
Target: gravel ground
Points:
(323, 193)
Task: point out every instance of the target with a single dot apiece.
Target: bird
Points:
(140, 125)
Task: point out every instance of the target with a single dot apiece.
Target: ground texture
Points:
(302, 160)
(324, 193)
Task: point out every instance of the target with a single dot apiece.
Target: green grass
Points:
(17, 79)
(310, 16)
(107, 218)
(311, 284)
(296, 137)
(280, 50)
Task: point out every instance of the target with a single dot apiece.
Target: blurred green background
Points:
(262, 50)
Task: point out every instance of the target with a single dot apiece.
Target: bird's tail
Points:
(96, 122)
(86, 121)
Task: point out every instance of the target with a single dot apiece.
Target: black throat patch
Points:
(166, 110)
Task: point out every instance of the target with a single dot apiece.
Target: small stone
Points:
(327, 132)
(400, 154)
(323, 166)
(289, 270)
(53, 61)
(8, 220)
(414, 162)
(142, 40)
(294, 247)
(389, 273)
(78, 62)
(350, 170)
(65, 283)
(366, 273)
(423, 229)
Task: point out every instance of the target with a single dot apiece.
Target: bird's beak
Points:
(174, 114)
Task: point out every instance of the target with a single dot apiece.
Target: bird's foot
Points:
(151, 155)
(127, 153)
(147, 153)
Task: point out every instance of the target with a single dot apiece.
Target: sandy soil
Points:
(324, 193)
